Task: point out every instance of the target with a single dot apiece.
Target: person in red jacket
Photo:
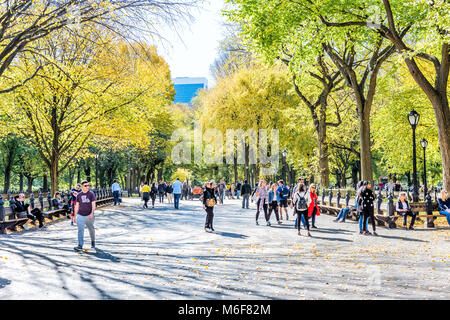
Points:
(313, 206)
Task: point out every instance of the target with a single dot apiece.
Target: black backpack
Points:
(301, 203)
(284, 193)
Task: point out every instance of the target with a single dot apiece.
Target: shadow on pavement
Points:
(4, 282)
(231, 235)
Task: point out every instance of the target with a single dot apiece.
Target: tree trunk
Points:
(45, 182)
(235, 167)
(54, 177)
(442, 114)
(364, 140)
(21, 182)
(29, 183)
(324, 168)
(247, 155)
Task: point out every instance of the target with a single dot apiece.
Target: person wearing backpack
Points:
(282, 198)
(145, 194)
(153, 194)
(300, 204)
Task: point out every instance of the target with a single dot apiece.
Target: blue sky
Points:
(191, 49)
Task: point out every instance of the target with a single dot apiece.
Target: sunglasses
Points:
(87, 185)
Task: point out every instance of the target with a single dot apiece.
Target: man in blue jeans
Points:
(84, 214)
(116, 192)
(177, 185)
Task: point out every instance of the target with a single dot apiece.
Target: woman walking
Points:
(366, 199)
(300, 203)
(145, 190)
(273, 204)
(313, 207)
(263, 200)
(209, 201)
(169, 191)
(153, 193)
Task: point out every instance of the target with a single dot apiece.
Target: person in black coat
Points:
(367, 207)
(23, 210)
(153, 193)
(209, 194)
(246, 189)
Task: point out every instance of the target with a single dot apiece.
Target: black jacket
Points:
(20, 206)
(246, 189)
(366, 201)
(208, 193)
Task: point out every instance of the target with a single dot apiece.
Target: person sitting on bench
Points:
(24, 211)
(344, 211)
(403, 208)
(444, 205)
(58, 202)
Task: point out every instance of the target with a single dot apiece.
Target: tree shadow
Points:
(314, 236)
(4, 283)
(401, 238)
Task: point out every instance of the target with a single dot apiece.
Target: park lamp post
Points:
(96, 171)
(284, 153)
(424, 144)
(413, 118)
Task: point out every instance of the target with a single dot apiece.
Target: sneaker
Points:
(287, 217)
(208, 230)
(367, 233)
(279, 222)
(314, 227)
(71, 223)
(411, 228)
(212, 229)
(375, 234)
(309, 234)
(78, 248)
(361, 232)
(257, 223)
(335, 220)
(269, 224)
(299, 233)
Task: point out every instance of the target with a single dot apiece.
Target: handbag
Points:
(210, 203)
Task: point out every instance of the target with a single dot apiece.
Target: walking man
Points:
(177, 185)
(84, 214)
(246, 189)
(116, 192)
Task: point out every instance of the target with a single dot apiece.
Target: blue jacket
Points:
(444, 205)
(271, 196)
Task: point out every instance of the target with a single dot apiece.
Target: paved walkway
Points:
(165, 254)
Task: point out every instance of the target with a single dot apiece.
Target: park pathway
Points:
(165, 254)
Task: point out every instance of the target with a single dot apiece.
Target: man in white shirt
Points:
(116, 192)
(177, 185)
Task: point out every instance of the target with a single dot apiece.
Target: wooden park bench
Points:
(8, 220)
(419, 207)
